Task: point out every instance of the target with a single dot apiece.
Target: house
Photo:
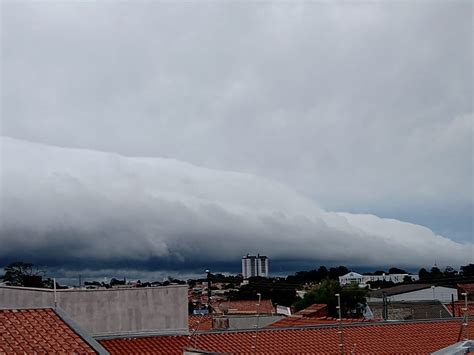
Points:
(43, 331)
(315, 310)
(410, 310)
(240, 318)
(352, 278)
(466, 288)
(395, 278)
(382, 338)
(103, 312)
(242, 307)
(200, 322)
(460, 308)
(363, 280)
(414, 292)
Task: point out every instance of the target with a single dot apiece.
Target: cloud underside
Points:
(67, 206)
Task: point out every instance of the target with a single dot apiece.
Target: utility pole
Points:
(55, 296)
(257, 325)
(384, 306)
(452, 306)
(466, 317)
(209, 307)
(341, 335)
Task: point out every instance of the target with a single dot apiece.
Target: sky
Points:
(252, 126)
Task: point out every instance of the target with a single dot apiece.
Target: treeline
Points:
(317, 275)
(27, 275)
(448, 276)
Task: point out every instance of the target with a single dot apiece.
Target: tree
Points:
(436, 273)
(353, 301)
(323, 272)
(423, 274)
(279, 291)
(22, 274)
(449, 271)
(396, 270)
(334, 273)
(323, 293)
(407, 279)
(352, 298)
(467, 270)
(115, 282)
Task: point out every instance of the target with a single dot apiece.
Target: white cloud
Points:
(366, 104)
(71, 205)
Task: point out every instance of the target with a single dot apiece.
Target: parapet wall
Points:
(110, 312)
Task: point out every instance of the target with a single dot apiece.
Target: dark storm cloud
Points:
(363, 107)
(70, 206)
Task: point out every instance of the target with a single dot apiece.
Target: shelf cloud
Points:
(69, 206)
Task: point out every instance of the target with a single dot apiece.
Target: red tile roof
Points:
(38, 331)
(245, 307)
(315, 310)
(376, 338)
(469, 288)
(299, 321)
(459, 308)
(200, 323)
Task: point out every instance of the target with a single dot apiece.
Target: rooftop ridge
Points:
(304, 327)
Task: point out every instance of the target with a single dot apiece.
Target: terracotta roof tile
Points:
(301, 321)
(38, 331)
(459, 308)
(469, 288)
(315, 310)
(245, 307)
(200, 323)
(375, 338)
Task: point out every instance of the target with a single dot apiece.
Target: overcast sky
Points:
(354, 107)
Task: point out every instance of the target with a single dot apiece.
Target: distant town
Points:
(253, 301)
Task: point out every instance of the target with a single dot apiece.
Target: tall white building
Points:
(254, 266)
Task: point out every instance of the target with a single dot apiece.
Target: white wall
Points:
(158, 310)
(396, 278)
(442, 294)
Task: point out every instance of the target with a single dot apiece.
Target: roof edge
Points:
(79, 331)
(142, 334)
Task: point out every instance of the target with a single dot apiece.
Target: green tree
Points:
(449, 271)
(324, 293)
(279, 291)
(407, 279)
(115, 282)
(353, 301)
(22, 274)
(423, 274)
(353, 298)
(436, 273)
(467, 270)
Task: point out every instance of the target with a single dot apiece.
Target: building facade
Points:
(414, 293)
(363, 280)
(254, 266)
(106, 312)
